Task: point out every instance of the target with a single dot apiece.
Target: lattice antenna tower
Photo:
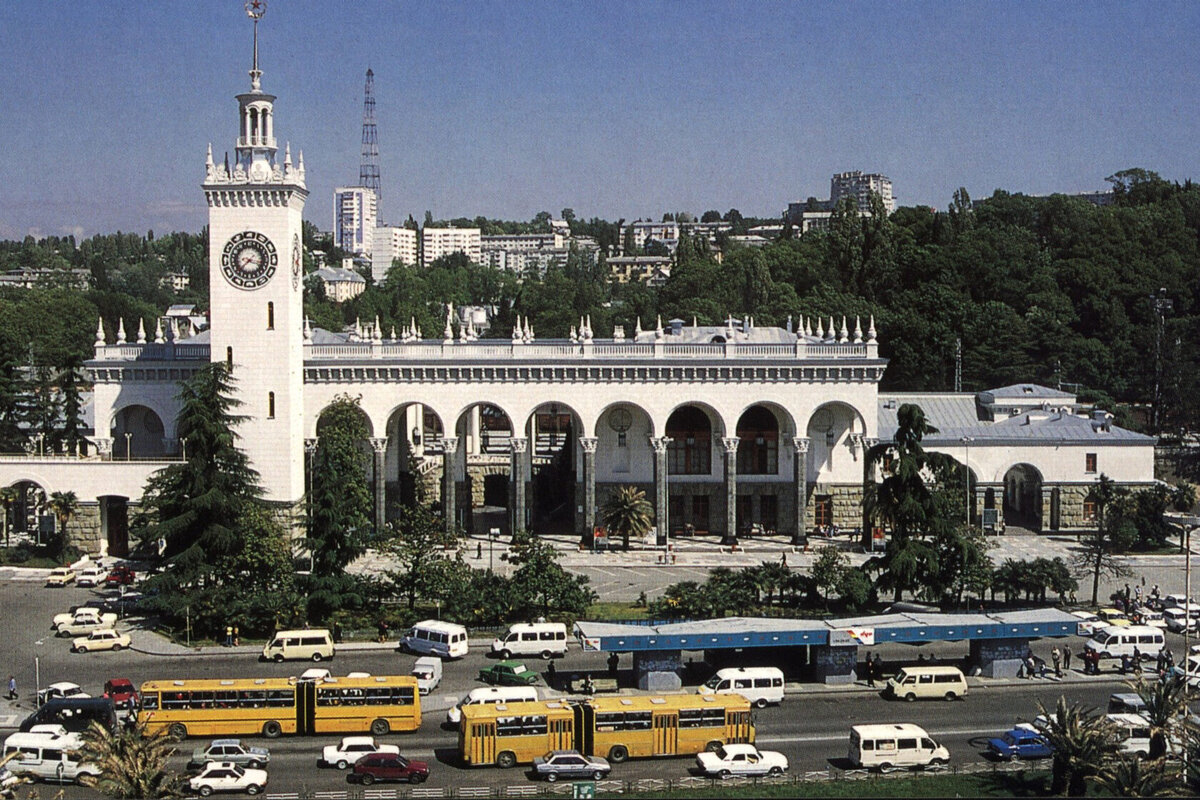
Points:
(368, 170)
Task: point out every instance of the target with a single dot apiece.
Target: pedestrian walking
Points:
(337, 633)
(12, 688)
(237, 636)
(1160, 662)
(877, 665)
(870, 669)
(551, 674)
(382, 629)
(1067, 657)
(1056, 658)
(783, 559)
(229, 636)
(478, 550)
(614, 661)
(1137, 659)
(1125, 664)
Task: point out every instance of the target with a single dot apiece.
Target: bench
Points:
(604, 683)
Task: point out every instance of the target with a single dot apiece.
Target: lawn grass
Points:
(1034, 783)
(615, 611)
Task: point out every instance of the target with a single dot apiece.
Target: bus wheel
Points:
(271, 729)
(760, 702)
(547, 655)
(506, 760)
(618, 754)
(505, 655)
(279, 658)
(316, 656)
(951, 696)
(380, 727)
(177, 730)
(885, 767)
(712, 747)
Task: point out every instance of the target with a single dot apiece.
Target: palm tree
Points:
(1082, 738)
(132, 763)
(1132, 777)
(64, 505)
(1166, 708)
(771, 576)
(628, 513)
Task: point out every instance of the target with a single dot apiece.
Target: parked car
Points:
(67, 616)
(350, 749)
(230, 751)
(227, 777)
(507, 673)
(85, 622)
(123, 605)
(121, 576)
(62, 689)
(100, 639)
(741, 759)
(60, 576)
(1112, 616)
(1088, 623)
(1019, 743)
(90, 576)
(375, 767)
(122, 692)
(570, 764)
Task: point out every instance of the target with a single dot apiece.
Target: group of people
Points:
(1060, 661)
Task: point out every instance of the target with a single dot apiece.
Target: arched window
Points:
(690, 449)
(270, 316)
(758, 451)
(270, 405)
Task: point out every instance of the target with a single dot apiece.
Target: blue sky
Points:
(614, 109)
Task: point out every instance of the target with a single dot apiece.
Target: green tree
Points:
(258, 592)
(1166, 710)
(8, 496)
(540, 585)
(771, 576)
(1082, 739)
(1113, 535)
(133, 763)
(341, 499)
(420, 545)
(854, 587)
(628, 513)
(828, 569)
(63, 505)
(1130, 776)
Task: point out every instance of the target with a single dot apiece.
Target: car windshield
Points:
(1103, 636)
(237, 770)
(1009, 739)
(721, 754)
(713, 682)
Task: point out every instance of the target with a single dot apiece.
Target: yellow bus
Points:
(671, 725)
(507, 734)
(275, 706)
(618, 728)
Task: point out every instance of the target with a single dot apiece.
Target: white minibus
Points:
(315, 644)
(917, 682)
(759, 685)
(432, 637)
(883, 747)
(45, 753)
(1115, 641)
(492, 694)
(545, 639)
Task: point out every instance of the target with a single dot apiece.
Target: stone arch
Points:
(137, 432)
(484, 428)
(623, 433)
(30, 503)
(553, 428)
(414, 436)
(1023, 496)
(836, 432)
(482, 465)
(366, 418)
(763, 430)
(114, 525)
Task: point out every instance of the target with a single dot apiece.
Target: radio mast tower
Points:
(368, 171)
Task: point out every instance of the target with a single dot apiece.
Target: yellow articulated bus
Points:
(617, 728)
(274, 706)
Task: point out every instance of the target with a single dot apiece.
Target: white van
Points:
(44, 753)
(428, 672)
(1115, 641)
(1177, 618)
(1133, 733)
(883, 747)
(545, 639)
(314, 643)
(912, 683)
(432, 637)
(759, 685)
(492, 694)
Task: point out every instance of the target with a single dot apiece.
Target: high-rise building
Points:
(859, 186)
(392, 242)
(354, 213)
(438, 242)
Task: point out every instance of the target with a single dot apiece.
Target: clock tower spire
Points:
(255, 264)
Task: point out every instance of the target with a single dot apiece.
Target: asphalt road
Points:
(811, 727)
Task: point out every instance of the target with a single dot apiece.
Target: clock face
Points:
(249, 260)
(620, 419)
(297, 261)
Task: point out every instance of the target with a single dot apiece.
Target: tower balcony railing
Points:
(257, 141)
(152, 351)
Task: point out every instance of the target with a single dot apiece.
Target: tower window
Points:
(270, 316)
(270, 405)
(229, 360)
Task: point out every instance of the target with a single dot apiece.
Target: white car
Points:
(92, 576)
(61, 689)
(60, 576)
(85, 622)
(741, 759)
(100, 639)
(1088, 623)
(225, 776)
(350, 749)
(67, 616)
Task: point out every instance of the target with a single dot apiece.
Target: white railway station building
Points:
(724, 426)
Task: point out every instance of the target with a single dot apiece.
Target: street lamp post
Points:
(128, 446)
(966, 440)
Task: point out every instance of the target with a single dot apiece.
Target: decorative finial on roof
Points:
(255, 10)
(857, 329)
(808, 330)
(694, 324)
(377, 331)
(121, 331)
(871, 331)
(831, 330)
(448, 330)
(820, 329)
(637, 330)
(658, 331)
(100, 333)
(158, 332)
(589, 327)
(574, 335)
(843, 334)
(393, 336)
(307, 329)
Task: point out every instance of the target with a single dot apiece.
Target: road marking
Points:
(835, 737)
(9, 720)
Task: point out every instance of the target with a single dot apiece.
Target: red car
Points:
(121, 576)
(387, 767)
(122, 692)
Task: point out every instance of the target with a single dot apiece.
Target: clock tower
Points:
(256, 327)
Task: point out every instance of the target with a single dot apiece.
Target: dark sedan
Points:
(375, 767)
